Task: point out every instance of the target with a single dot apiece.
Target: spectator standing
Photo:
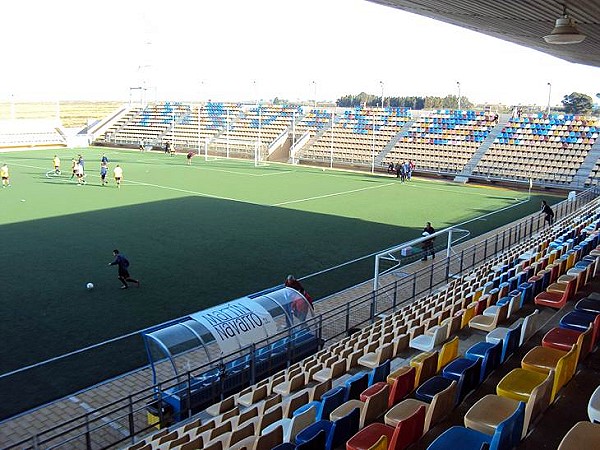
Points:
(548, 213)
(428, 246)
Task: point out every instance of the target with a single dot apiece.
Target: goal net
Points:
(228, 148)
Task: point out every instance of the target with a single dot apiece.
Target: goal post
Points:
(395, 257)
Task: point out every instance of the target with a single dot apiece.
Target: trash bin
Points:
(154, 414)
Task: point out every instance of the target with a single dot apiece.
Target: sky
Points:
(237, 50)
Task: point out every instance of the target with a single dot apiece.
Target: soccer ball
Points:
(90, 285)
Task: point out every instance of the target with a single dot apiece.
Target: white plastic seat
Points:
(427, 343)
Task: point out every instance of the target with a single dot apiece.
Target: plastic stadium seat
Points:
(588, 305)
(556, 300)
(442, 403)
(372, 360)
(381, 444)
(380, 372)
(594, 406)
(317, 442)
(291, 427)
(543, 359)
(490, 360)
(580, 321)
(425, 365)
(563, 339)
(507, 435)
(329, 401)
(582, 435)
(403, 382)
(336, 432)
(403, 435)
(374, 406)
(448, 353)
(510, 342)
(426, 342)
(490, 322)
(491, 410)
(355, 385)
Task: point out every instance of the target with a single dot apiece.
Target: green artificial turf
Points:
(196, 236)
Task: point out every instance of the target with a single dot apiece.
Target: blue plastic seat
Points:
(317, 442)
(379, 373)
(577, 320)
(509, 344)
(507, 435)
(489, 355)
(336, 433)
(588, 305)
(429, 388)
(355, 385)
(330, 400)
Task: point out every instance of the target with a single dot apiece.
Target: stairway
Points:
(390, 145)
(586, 167)
(463, 177)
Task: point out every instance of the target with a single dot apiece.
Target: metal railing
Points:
(122, 422)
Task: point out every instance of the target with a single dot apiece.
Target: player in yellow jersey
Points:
(56, 164)
(4, 175)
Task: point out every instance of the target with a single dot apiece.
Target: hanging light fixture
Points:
(565, 31)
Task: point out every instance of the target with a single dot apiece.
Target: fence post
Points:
(414, 293)
(395, 302)
(130, 417)
(188, 399)
(347, 317)
(372, 306)
(88, 438)
(462, 257)
(253, 364)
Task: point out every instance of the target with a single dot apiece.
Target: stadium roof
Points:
(522, 22)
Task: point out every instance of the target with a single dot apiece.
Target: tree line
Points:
(574, 103)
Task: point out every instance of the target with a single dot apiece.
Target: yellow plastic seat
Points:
(543, 359)
(448, 352)
(491, 410)
(518, 384)
(425, 365)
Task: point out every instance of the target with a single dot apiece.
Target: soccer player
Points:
(56, 164)
(4, 175)
(189, 157)
(123, 274)
(118, 173)
(103, 172)
(73, 167)
(104, 159)
(80, 175)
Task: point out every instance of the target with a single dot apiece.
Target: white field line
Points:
(335, 194)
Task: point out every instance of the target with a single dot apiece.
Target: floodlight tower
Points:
(459, 96)
(381, 84)
(549, 95)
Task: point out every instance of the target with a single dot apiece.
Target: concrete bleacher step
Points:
(588, 164)
(463, 177)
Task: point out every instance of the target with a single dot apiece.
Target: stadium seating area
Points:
(356, 135)
(370, 390)
(548, 149)
(444, 140)
(545, 148)
(30, 133)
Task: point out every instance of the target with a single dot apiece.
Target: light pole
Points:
(314, 84)
(549, 94)
(459, 97)
(381, 84)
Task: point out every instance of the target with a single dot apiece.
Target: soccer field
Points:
(195, 235)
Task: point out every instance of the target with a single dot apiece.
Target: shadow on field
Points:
(189, 253)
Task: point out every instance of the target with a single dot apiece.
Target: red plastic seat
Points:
(406, 433)
(556, 299)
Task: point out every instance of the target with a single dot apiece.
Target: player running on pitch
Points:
(123, 263)
(56, 164)
(4, 175)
